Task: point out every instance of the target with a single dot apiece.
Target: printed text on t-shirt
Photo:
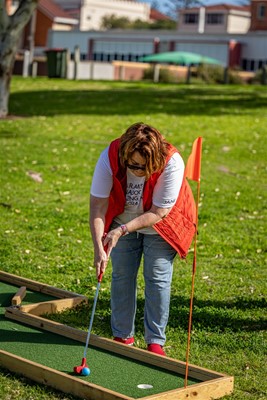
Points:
(134, 194)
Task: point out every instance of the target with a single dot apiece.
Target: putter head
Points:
(78, 370)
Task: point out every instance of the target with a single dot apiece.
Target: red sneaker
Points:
(156, 348)
(129, 341)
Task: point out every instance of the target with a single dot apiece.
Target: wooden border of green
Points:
(56, 379)
(19, 296)
(37, 286)
(213, 385)
(52, 306)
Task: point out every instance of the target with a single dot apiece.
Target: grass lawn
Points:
(57, 132)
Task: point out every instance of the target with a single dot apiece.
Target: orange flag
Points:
(193, 166)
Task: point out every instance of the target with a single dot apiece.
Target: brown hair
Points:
(149, 142)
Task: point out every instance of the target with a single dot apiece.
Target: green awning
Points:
(179, 57)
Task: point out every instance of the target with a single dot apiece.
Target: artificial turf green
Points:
(108, 370)
(7, 291)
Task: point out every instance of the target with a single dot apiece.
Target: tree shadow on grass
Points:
(219, 315)
(236, 315)
(208, 315)
(130, 101)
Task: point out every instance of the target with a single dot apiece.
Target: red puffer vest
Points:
(178, 228)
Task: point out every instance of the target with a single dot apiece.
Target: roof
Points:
(157, 15)
(73, 12)
(54, 12)
(220, 7)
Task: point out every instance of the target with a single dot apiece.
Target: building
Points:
(48, 16)
(258, 15)
(228, 33)
(91, 12)
(219, 18)
(248, 52)
(57, 28)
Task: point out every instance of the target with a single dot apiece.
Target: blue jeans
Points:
(158, 258)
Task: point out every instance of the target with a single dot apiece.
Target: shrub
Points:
(216, 74)
(234, 78)
(165, 76)
(210, 73)
(260, 77)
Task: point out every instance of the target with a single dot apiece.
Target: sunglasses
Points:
(136, 167)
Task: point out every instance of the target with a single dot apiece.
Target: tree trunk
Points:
(10, 30)
(5, 79)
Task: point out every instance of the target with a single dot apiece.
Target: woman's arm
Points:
(148, 219)
(98, 209)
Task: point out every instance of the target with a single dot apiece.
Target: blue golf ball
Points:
(85, 371)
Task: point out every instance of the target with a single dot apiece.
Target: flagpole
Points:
(192, 288)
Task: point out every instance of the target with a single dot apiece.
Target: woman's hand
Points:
(111, 239)
(100, 261)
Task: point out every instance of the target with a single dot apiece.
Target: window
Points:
(191, 18)
(261, 11)
(214, 19)
(244, 64)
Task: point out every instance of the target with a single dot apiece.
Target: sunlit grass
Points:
(59, 131)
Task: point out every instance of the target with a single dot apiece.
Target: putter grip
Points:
(100, 276)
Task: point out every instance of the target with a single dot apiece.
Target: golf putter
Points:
(78, 370)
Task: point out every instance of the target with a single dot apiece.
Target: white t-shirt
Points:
(165, 192)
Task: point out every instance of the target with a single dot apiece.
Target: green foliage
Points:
(162, 24)
(260, 76)
(216, 74)
(114, 22)
(210, 74)
(58, 130)
(234, 78)
(165, 75)
(204, 73)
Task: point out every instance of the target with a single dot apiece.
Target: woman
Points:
(140, 206)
